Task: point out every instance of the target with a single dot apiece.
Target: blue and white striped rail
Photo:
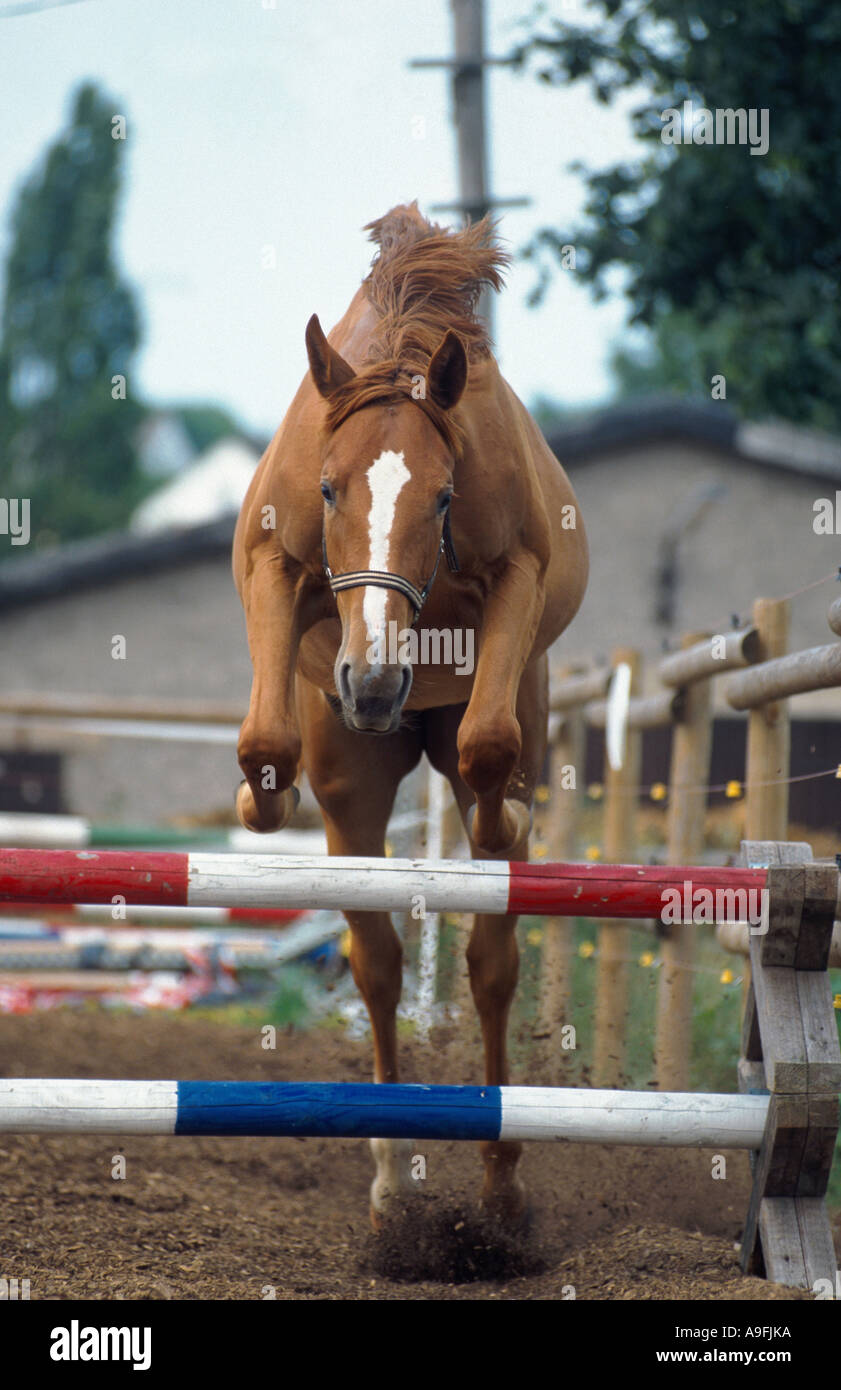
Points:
(342, 1110)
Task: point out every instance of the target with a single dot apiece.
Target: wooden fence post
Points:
(769, 736)
(690, 767)
(768, 746)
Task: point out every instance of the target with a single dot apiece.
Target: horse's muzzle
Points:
(373, 700)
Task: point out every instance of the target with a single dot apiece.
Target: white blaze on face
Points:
(386, 477)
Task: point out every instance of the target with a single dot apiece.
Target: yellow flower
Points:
(659, 791)
(586, 949)
(733, 789)
(592, 853)
(534, 936)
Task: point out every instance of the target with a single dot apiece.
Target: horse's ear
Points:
(329, 369)
(446, 375)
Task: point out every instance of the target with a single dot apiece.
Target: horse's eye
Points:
(327, 493)
(444, 501)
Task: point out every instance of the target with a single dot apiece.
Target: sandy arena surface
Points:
(225, 1218)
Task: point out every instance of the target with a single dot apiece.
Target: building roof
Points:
(774, 444)
(214, 485)
(104, 559)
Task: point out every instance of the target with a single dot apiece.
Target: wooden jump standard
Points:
(790, 1050)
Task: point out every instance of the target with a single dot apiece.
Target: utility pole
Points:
(467, 69)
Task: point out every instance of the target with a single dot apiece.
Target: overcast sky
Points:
(290, 127)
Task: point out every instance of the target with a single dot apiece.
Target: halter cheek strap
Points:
(383, 579)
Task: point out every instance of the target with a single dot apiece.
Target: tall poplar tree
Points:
(68, 333)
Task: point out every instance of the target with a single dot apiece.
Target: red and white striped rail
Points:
(272, 881)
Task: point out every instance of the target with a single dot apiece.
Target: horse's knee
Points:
(336, 792)
(270, 762)
(488, 753)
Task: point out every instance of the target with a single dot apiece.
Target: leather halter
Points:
(383, 579)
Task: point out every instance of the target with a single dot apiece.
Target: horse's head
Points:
(386, 480)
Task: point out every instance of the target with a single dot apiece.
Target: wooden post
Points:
(690, 767)
(568, 750)
(790, 1048)
(620, 805)
(768, 746)
(769, 736)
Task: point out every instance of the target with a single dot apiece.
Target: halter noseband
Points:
(382, 579)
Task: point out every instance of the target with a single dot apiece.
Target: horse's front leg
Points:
(269, 747)
(355, 777)
(492, 955)
(490, 737)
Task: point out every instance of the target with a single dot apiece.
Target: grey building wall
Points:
(185, 630)
(185, 637)
(757, 541)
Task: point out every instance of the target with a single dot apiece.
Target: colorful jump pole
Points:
(268, 881)
(351, 1110)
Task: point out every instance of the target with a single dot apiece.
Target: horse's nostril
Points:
(405, 684)
(344, 684)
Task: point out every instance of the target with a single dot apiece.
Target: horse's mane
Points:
(424, 280)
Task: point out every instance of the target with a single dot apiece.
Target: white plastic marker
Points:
(430, 922)
(618, 705)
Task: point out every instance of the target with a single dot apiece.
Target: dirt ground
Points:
(237, 1218)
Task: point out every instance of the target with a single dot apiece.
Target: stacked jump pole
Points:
(790, 1071)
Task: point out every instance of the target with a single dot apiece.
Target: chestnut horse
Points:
(404, 444)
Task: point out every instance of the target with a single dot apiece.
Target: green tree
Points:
(69, 327)
(731, 260)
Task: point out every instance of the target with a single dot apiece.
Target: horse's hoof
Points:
(519, 819)
(508, 1208)
(392, 1186)
(284, 807)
